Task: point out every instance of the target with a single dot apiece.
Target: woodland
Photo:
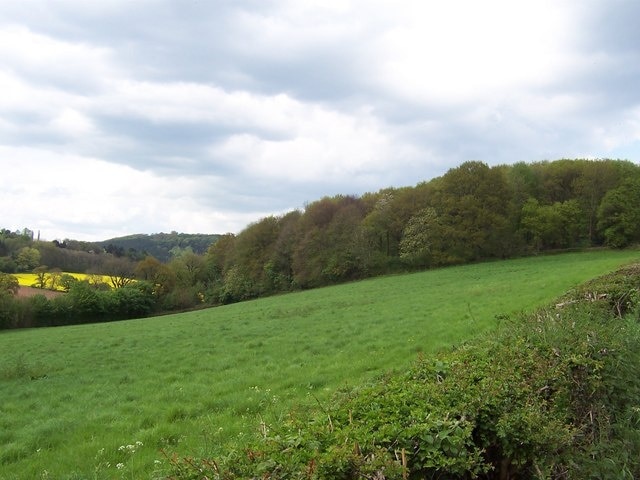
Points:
(474, 212)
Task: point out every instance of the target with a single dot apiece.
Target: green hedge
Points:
(555, 394)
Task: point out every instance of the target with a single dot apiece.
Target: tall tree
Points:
(346, 256)
(619, 215)
(552, 226)
(473, 203)
(309, 255)
(120, 271)
(317, 258)
(41, 276)
(422, 243)
(279, 267)
(595, 179)
(253, 248)
(9, 284)
(188, 268)
(28, 258)
(157, 274)
(558, 179)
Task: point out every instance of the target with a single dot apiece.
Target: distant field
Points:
(73, 398)
(30, 279)
(31, 291)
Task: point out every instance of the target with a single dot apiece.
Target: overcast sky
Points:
(201, 116)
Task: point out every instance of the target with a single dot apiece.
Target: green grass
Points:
(70, 397)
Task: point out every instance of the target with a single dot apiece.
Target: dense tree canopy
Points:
(473, 212)
(619, 214)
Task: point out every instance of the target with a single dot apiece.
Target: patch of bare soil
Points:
(31, 291)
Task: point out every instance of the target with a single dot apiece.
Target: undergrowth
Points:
(551, 395)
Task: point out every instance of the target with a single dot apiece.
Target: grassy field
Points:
(75, 400)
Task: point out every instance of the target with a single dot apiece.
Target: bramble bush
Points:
(550, 395)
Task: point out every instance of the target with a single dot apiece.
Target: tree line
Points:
(472, 213)
(163, 246)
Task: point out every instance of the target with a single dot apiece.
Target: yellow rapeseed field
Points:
(31, 279)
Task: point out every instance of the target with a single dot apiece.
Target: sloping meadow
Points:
(109, 400)
(554, 394)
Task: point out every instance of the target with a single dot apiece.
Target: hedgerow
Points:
(554, 394)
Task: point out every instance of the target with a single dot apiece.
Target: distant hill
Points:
(159, 245)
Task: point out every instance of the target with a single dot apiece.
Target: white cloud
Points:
(192, 103)
(322, 146)
(40, 59)
(208, 116)
(459, 51)
(72, 123)
(89, 199)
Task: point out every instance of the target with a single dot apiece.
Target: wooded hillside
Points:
(474, 212)
(162, 246)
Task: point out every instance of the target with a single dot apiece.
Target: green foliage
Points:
(27, 259)
(551, 226)
(160, 276)
(8, 310)
(8, 284)
(472, 213)
(615, 294)
(236, 286)
(162, 246)
(619, 216)
(133, 301)
(85, 302)
(422, 239)
(473, 202)
(67, 281)
(8, 265)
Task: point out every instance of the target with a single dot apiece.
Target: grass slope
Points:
(71, 397)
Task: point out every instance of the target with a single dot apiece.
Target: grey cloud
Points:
(202, 42)
(327, 68)
(612, 27)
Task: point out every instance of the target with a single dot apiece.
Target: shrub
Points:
(133, 300)
(7, 310)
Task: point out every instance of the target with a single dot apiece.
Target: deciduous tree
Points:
(473, 203)
(120, 271)
(9, 284)
(619, 215)
(157, 274)
(422, 239)
(27, 259)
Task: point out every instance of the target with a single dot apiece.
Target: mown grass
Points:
(70, 397)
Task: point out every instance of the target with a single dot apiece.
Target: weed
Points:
(20, 368)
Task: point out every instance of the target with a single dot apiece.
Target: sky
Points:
(202, 116)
